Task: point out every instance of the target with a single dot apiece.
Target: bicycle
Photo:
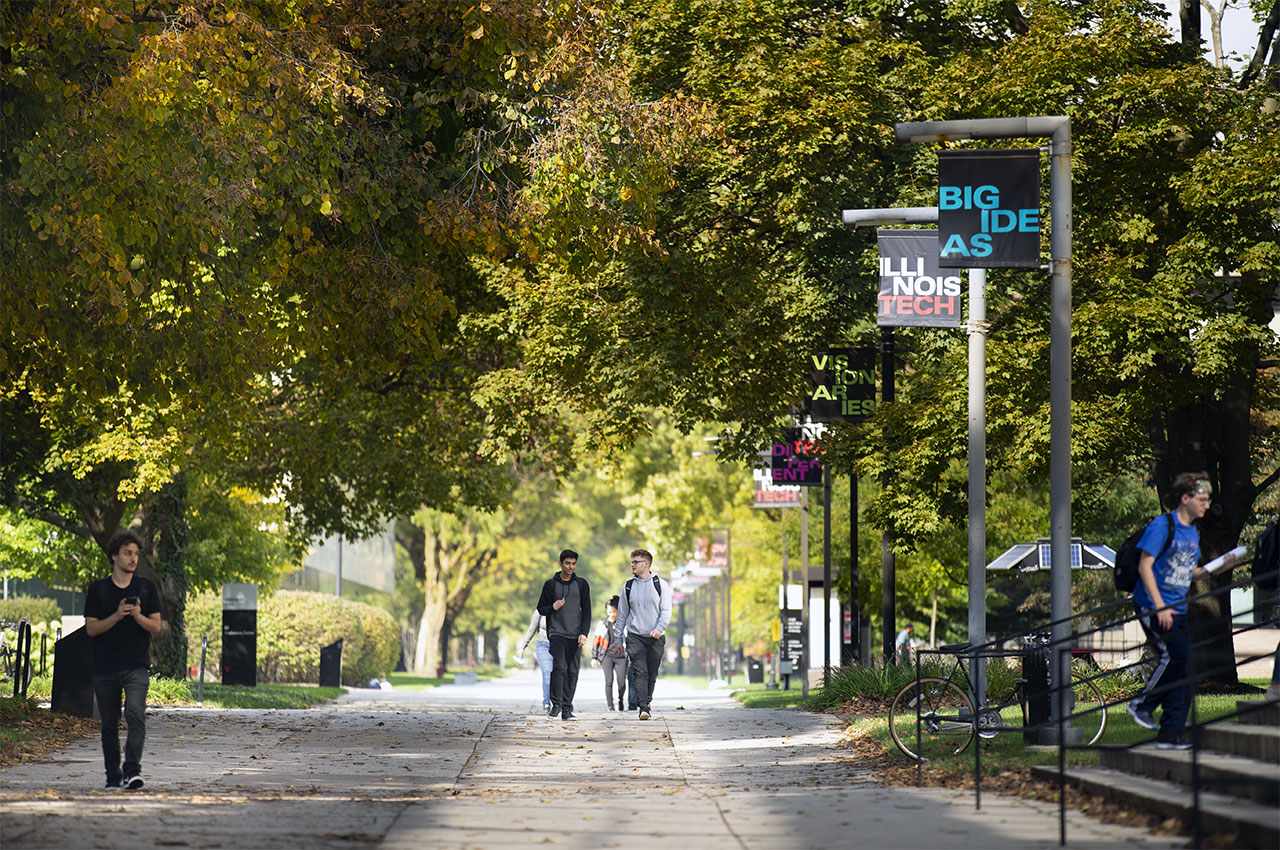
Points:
(947, 717)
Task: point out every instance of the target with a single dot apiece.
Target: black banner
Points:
(795, 460)
(843, 385)
(914, 290)
(989, 209)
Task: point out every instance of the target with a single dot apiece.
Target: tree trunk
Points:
(1212, 435)
(1189, 17)
(166, 521)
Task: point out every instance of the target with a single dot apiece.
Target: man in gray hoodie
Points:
(566, 603)
(644, 611)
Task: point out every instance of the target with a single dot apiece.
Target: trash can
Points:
(73, 675)
(331, 665)
(1035, 670)
(755, 672)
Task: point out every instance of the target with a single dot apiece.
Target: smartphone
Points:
(133, 600)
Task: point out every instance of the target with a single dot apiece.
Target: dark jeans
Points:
(631, 687)
(1168, 685)
(566, 658)
(107, 687)
(645, 654)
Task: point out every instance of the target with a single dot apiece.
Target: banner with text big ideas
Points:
(914, 290)
(989, 209)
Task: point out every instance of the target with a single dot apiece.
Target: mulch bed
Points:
(37, 732)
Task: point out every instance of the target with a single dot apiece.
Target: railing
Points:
(1056, 693)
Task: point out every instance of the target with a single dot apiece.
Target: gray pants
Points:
(614, 666)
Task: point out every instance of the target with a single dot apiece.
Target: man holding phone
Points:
(121, 613)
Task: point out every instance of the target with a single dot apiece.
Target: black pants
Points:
(107, 687)
(645, 654)
(566, 658)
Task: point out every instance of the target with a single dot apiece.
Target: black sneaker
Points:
(113, 785)
(568, 715)
(1179, 744)
(133, 783)
(553, 710)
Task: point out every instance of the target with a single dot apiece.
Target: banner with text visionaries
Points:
(989, 209)
(914, 291)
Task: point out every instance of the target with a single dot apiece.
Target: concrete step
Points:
(1252, 824)
(1241, 777)
(1239, 739)
(1258, 712)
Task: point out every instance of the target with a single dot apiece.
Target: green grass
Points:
(758, 696)
(410, 682)
(185, 693)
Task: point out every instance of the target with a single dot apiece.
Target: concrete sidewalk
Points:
(480, 767)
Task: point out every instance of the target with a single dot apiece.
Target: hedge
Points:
(37, 610)
(292, 627)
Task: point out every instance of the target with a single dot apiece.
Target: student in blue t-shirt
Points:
(1166, 569)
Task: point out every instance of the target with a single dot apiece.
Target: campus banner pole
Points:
(854, 654)
(804, 593)
(826, 572)
(888, 563)
(978, 473)
(1058, 129)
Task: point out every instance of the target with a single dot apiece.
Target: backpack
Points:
(1125, 572)
(627, 589)
(1267, 557)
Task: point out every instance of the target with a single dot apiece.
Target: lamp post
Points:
(1057, 129)
(977, 436)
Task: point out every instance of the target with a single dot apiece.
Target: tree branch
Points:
(1265, 43)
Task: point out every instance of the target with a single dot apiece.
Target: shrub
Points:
(293, 626)
(37, 610)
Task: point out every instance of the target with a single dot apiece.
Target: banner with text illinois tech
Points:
(914, 290)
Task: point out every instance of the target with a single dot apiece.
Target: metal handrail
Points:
(995, 649)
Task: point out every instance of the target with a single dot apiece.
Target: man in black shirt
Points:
(566, 603)
(121, 613)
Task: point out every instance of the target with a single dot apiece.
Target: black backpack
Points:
(1125, 572)
(627, 589)
(1266, 559)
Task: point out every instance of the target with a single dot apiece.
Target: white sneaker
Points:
(133, 783)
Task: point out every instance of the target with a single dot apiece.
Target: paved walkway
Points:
(480, 767)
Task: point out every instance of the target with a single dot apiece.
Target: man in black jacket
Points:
(566, 603)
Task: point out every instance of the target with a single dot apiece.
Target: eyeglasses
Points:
(633, 563)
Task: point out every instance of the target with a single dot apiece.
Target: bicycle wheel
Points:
(946, 719)
(1088, 698)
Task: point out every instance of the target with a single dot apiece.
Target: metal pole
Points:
(680, 646)
(337, 589)
(1060, 400)
(826, 572)
(855, 612)
(804, 592)
(204, 651)
(888, 564)
(978, 471)
(786, 607)
(728, 593)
